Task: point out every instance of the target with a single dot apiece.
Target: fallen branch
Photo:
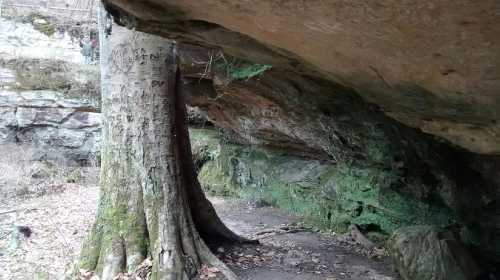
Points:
(279, 230)
(17, 210)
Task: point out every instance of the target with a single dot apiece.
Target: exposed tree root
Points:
(177, 253)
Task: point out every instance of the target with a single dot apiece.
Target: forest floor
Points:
(288, 250)
(59, 219)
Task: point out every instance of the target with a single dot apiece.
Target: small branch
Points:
(279, 230)
(17, 210)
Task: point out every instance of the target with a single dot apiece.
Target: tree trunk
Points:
(151, 203)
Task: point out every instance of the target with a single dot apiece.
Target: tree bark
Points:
(151, 203)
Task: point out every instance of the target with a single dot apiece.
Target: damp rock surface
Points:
(426, 252)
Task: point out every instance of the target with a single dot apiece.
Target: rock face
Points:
(424, 252)
(316, 148)
(328, 195)
(51, 122)
(432, 65)
(293, 90)
(48, 97)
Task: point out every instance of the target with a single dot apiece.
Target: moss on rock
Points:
(329, 196)
(73, 80)
(41, 23)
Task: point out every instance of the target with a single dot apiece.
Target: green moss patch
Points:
(248, 72)
(41, 23)
(240, 70)
(328, 196)
(72, 80)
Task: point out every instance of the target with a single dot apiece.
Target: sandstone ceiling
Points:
(433, 65)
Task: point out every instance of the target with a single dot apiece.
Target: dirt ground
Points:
(292, 252)
(59, 220)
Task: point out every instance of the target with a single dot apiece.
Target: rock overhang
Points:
(432, 65)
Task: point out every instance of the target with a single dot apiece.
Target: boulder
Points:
(427, 252)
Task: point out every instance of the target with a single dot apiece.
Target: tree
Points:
(151, 203)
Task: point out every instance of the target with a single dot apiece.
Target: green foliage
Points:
(248, 72)
(240, 70)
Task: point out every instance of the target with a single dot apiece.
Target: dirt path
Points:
(290, 252)
(59, 221)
